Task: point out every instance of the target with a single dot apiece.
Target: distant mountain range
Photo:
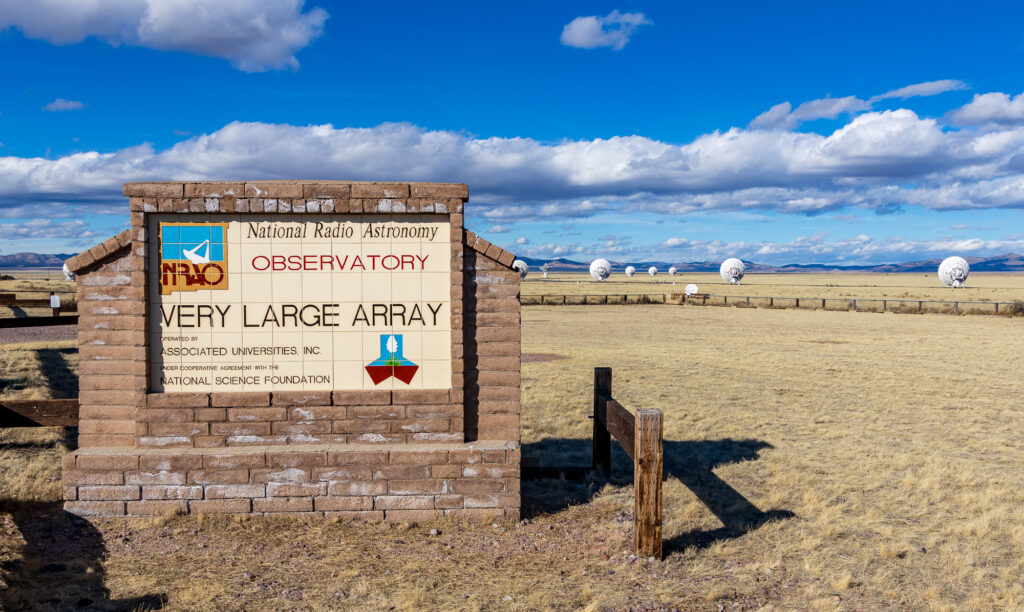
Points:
(34, 260)
(1009, 262)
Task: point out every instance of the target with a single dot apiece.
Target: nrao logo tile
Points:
(193, 257)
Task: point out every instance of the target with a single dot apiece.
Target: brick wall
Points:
(374, 454)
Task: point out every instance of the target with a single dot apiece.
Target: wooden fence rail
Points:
(641, 438)
(39, 413)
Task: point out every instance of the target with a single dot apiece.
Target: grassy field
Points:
(34, 285)
(814, 460)
(981, 286)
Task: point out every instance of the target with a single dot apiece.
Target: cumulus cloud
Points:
(254, 35)
(613, 30)
(45, 228)
(499, 229)
(60, 104)
(996, 107)
(879, 161)
(522, 240)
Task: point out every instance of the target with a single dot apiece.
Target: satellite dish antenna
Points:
(653, 271)
(194, 256)
(953, 271)
(672, 271)
(520, 266)
(691, 289)
(630, 271)
(68, 274)
(600, 269)
(545, 268)
(732, 270)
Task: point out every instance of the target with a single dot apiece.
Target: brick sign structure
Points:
(297, 346)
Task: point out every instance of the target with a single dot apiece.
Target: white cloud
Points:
(522, 240)
(613, 30)
(60, 104)
(254, 35)
(34, 229)
(993, 107)
(930, 88)
(499, 229)
(782, 116)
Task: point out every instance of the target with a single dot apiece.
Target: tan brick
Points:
(410, 426)
(292, 427)
(106, 462)
(245, 440)
(476, 486)
(159, 477)
(313, 413)
(178, 400)
(283, 504)
(310, 489)
(439, 190)
(166, 415)
(358, 426)
(172, 492)
(326, 190)
(219, 477)
(69, 493)
(335, 504)
(494, 455)
(260, 189)
(106, 426)
(213, 190)
(301, 398)
(220, 506)
(211, 414)
(371, 458)
(165, 441)
(240, 428)
(495, 379)
(418, 457)
(346, 488)
(108, 493)
(234, 460)
(351, 472)
(170, 462)
(229, 491)
(492, 407)
(179, 429)
(446, 471)
(114, 398)
(476, 514)
(95, 508)
(422, 396)
(83, 477)
(451, 437)
(111, 383)
(403, 502)
(292, 475)
(380, 190)
(156, 507)
(376, 412)
(257, 414)
(489, 394)
(209, 441)
(154, 190)
(240, 399)
(292, 459)
(415, 487)
(490, 470)
(448, 501)
(403, 472)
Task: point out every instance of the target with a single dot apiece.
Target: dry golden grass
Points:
(39, 370)
(981, 286)
(814, 460)
(35, 285)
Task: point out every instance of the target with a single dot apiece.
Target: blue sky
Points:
(801, 132)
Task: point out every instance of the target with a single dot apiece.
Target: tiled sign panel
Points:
(306, 302)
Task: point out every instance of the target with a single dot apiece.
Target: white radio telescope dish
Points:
(653, 271)
(732, 270)
(691, 289)
(953, 271)
(672, 271)
(545, 268)
(520, 266)
(68, 274)
(600, 269)
(630, 271)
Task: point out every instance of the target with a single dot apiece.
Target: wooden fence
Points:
(641, 438)
(810, 303)
(39, 413)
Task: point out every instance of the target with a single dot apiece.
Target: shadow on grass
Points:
(19, 313)
(60, 566)
(691, 462)
(62, 382)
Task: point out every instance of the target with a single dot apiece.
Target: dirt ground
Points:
(814, 461)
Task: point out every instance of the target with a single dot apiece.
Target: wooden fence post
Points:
(647, 466)
(602, 451)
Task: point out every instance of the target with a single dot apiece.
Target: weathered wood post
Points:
(920, 305)
(602, 451)
(647, 470)
(823, 303)
(771, 302)
(798, 302)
